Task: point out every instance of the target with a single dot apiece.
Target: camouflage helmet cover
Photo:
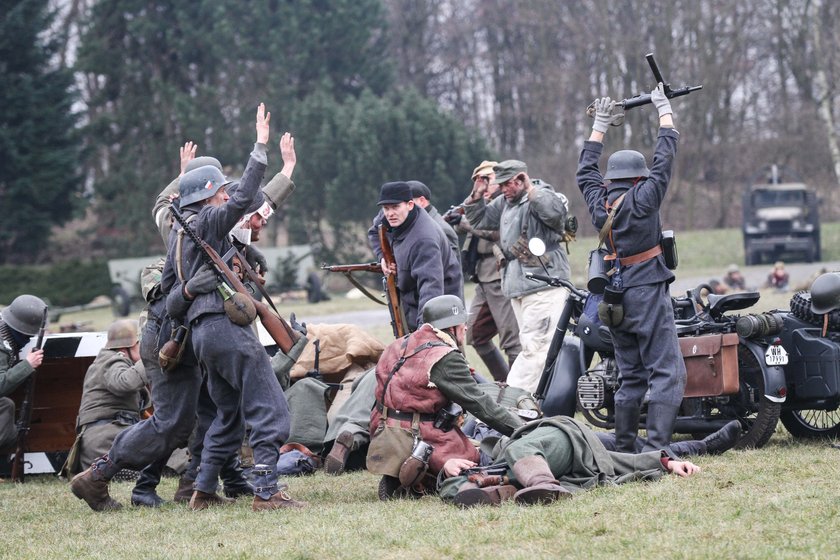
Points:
(123, 333)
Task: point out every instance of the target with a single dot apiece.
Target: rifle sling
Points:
(252, 274)
(361, 288)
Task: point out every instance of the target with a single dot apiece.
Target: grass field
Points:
(781, 501)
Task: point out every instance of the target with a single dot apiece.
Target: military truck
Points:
(781, 222)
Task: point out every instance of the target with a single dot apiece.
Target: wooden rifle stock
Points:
(279, 330)
(360, 267)
(394, 306)
(25, 418)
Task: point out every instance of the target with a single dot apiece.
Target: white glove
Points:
(603, 114)
(662, 103)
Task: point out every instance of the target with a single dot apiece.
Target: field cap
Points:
(508, 169)
(394, 193)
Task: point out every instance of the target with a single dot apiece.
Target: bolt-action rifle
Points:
(25, 417)
(398, 323)
(284, 335)
(348, 269)
(644, 98)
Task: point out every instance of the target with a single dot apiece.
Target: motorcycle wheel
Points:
(760, 417)
(800, 307)
(812, 424)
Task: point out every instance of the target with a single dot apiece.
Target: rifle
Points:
(644, 98)
(25, 418)
(390, 284)
(284, 335)
(348, 269)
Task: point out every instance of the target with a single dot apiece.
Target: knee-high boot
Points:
(660, 425)
(493, 359)
(626, 428)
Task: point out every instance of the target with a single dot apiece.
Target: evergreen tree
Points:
(39, 153)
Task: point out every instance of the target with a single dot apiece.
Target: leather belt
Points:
(638, 257)
(407, 416)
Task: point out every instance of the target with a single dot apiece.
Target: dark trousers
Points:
(175, 398)
(243, 386)
(647, 350)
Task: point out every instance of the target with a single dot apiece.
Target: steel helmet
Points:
(825, 293)
(445, 311)
(201, 161)
(25, 314)
(122, 334)
(626, 164)
(200, 184)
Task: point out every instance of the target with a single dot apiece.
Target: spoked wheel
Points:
(758, 414)
(812, 424)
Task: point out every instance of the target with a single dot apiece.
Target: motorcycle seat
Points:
(730, 302)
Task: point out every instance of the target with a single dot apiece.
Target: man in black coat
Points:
(426, 266)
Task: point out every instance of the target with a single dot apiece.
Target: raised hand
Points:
(603, 114)
(187, 154)
(287, 152)
(662, 103)
(263, 119)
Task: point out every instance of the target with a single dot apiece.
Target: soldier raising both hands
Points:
(645, 338)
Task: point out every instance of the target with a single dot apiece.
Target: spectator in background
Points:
(778, 279)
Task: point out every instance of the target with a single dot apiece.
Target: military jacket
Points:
(541, 214)
(13, 371)
(113, 385)
(426, 382)
(636, 226)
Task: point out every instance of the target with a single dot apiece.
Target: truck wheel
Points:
(755, 411)
(800, 307)
(812, 424)
(120, 302)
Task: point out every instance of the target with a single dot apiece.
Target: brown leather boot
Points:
(202, 500)
(91, 485)
(336, 461)
(540, 486)
(471, 495)
(279, 500)
(185, 490)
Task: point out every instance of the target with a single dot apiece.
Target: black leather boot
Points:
(233, 480)
(493, 359)
(144, 492)
(660, 425)
(724, 439)
(626, 428)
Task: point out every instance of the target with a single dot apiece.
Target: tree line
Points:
(99, 95)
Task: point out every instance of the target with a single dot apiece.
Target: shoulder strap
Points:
(402, 360)
(178, 251)
(612, 209)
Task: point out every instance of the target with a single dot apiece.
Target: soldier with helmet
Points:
(645, 339)
(19, 322)
(420, 376)
(113, 395)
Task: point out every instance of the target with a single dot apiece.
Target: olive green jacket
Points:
(113, 384)
(12, 370)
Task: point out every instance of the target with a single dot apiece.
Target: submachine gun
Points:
(25, 417)
(277, 327)
(389, 283)
(644, 98)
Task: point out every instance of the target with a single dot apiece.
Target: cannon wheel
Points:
(754, 410)
(812, 424)
(120, 302)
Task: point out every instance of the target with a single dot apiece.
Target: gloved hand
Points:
(603, 114)
(662, 103)
(257, 260)
(204, 281)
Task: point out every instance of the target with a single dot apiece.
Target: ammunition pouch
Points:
(668, 242)
(446, 417)
(610, 309)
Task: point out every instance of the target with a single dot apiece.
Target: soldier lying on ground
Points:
(550, 459)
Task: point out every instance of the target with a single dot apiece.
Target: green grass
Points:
(781, 501)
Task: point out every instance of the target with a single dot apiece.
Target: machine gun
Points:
(644, 98)
(25, 418)
(284, 335)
